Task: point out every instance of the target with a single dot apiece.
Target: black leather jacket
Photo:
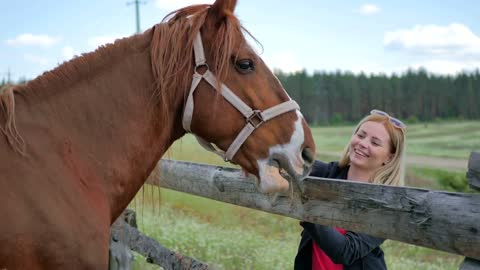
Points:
(353, 250)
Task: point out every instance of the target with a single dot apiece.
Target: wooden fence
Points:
(440, 220)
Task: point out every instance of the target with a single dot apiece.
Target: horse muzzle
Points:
(297, 167)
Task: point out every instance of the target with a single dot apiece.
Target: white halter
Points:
(254, 118)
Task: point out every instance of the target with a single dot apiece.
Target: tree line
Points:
(415, 95)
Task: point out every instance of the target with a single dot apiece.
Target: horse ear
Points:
(221, 8)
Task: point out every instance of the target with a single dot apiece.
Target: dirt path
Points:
(439, 163)
(424, 161)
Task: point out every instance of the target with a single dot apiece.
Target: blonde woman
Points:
(375, 154)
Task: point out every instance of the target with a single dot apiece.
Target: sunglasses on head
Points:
(397, 123)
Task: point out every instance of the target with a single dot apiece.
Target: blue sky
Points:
(369, 36)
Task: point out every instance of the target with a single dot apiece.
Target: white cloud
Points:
(36, 59)
(439, 49)
(68, 53)
(447, 66)
(368, 9)
(35, 40)
(94, 42)
(284, 60)
(454, 40)
(171, 5)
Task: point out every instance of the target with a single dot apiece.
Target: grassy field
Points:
(232, 237)
(443, 139)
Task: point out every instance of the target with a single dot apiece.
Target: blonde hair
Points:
(393, 172)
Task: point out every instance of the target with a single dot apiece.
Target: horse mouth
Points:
(274, 173)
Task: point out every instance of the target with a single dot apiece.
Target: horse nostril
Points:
(307, 155)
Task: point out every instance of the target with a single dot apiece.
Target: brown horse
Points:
(79, 141)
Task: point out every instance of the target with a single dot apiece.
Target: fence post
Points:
(124, 231)
(473, 176)
(470, 264)
(120, 255)
(473, 173)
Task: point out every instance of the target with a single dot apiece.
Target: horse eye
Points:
(244, 66)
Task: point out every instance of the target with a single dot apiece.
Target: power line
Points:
(137, 12)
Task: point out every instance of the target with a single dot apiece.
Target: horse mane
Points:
(61, 77)
(79, 68)
(7, 103)
(171, 49)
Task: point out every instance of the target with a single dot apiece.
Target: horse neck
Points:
(106, 122)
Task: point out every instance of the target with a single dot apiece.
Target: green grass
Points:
(442, 139)
(445, 180)
(232, 237)
(401, 256)
(222, 235)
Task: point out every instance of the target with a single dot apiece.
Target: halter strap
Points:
(254, 118)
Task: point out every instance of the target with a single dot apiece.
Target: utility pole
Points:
(9, 76)
(137, 12)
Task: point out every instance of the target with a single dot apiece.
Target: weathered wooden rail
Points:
(126, 237)
(440, 220)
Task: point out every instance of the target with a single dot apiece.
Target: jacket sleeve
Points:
(322, 169)
(343, 249)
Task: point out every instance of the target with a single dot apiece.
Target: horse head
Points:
(236, 107)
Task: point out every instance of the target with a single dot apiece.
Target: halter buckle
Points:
(255, 119)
